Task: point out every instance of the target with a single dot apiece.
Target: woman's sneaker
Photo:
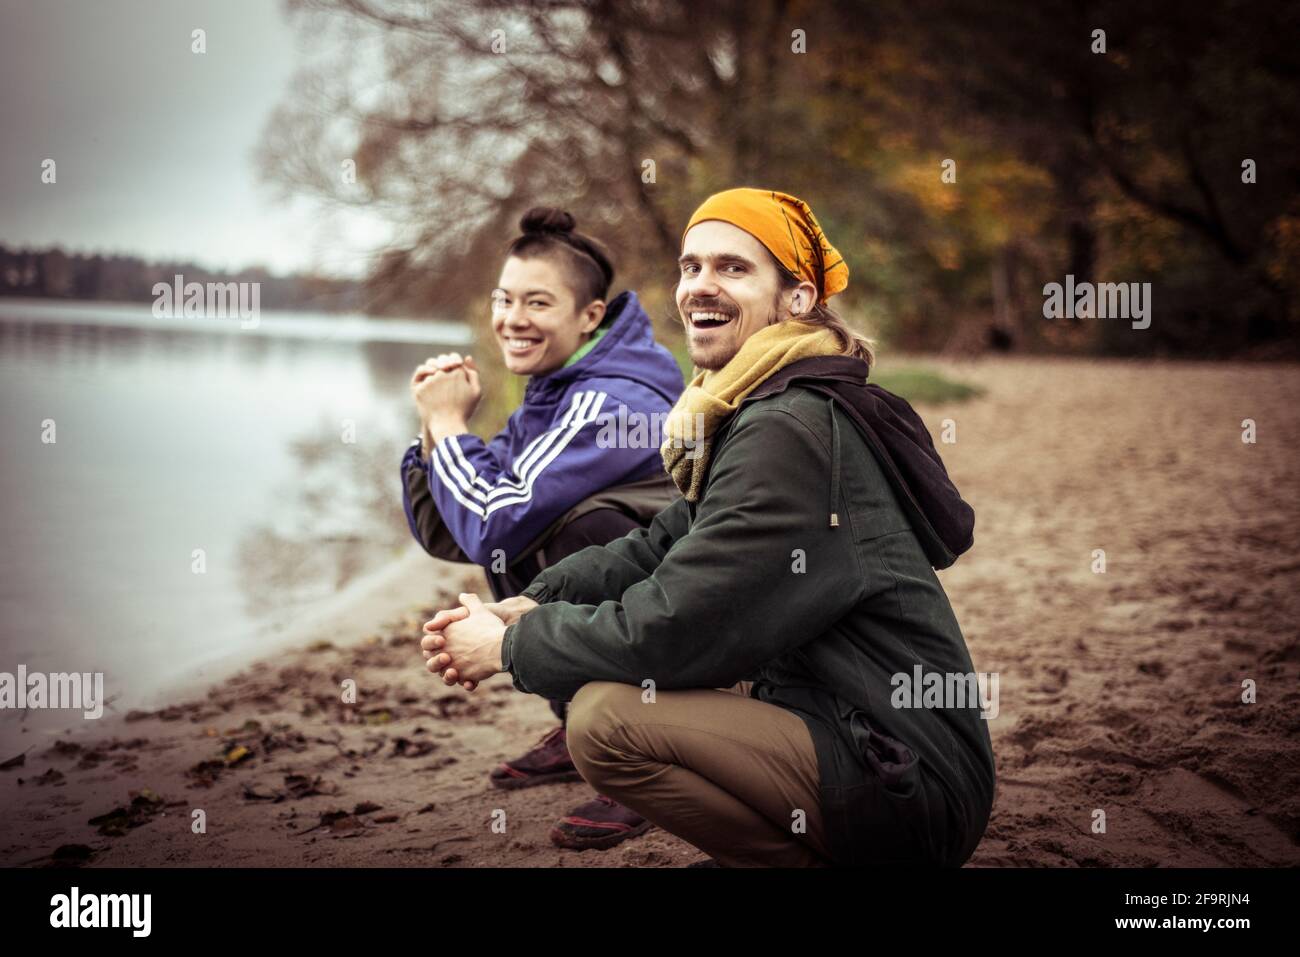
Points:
(547, 762)
(598, 824)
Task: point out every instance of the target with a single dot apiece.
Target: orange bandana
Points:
(787, 227)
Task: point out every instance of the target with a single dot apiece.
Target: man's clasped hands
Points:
(463, 644)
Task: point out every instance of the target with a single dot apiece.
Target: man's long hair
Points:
(852, 342)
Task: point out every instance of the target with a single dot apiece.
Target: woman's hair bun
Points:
(547, 230)
(546, 219)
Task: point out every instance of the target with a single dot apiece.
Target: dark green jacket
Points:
(755, 583)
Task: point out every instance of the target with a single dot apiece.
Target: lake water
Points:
(205, 481)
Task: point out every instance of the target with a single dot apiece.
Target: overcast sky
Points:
(153, 143)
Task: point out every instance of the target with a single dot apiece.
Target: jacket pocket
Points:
(895, 764)
(893, 816)
(892, 762)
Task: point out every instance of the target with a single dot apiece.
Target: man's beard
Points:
(708, 360)
(717, 357)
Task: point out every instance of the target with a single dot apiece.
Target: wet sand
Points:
(1120, 692)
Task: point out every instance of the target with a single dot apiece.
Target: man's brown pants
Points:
(730, 774)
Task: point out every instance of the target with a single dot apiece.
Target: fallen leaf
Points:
(144, 806)
(406, 748)
(301, 786)
(252, 793)
(72, 853)
(145, 796)
(205, 773)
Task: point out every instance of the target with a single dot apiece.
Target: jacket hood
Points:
(942, 521)
(627, 350)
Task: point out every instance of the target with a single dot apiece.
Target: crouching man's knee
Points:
(597, 712)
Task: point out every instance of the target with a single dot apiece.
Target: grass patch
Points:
(919, 385)
(914, 383)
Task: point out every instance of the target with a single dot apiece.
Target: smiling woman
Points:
(550, 299)
(550, 483)
(498, 503)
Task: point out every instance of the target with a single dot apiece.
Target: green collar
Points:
(586, 346)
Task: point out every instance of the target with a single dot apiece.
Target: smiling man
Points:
(731, 666)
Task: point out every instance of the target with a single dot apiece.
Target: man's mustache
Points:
(711, 304)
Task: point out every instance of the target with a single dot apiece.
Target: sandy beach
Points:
(1120, 691)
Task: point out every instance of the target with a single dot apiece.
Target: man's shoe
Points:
(598, 824)
(547, 763)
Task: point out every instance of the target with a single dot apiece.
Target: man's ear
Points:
(802, 298)
(592, 316)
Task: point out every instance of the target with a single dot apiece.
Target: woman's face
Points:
(535, 320)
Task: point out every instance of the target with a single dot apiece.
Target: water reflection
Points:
(339, 517)
(171, 442)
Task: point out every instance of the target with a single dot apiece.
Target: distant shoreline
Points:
(303, 324)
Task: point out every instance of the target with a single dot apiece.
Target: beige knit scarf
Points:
(713, 396)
